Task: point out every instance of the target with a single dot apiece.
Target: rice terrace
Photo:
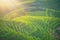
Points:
(29, 20)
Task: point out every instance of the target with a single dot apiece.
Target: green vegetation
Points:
(38, 21)
(29, 28)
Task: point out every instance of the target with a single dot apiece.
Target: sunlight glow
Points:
(8, 4)
(13, 7)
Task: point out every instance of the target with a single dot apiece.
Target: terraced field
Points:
(29, 28)
(37, 21)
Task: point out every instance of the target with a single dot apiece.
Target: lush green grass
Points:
(36, 21)
(29, 28)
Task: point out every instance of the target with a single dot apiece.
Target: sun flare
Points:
(8, 4)
(13, 6)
